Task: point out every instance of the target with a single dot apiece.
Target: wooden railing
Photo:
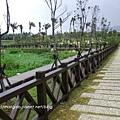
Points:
(50, 89)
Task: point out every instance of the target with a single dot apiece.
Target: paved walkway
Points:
(104, 103)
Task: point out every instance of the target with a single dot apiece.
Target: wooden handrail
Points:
(56, 85)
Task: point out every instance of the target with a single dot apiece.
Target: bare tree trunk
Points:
(30, 31)
(61, 29)
(46, 31)
(80, 41)
(39, 31)
(13, 37)
(55, 48)
(46, 39)
(53, 34)
(21, 38)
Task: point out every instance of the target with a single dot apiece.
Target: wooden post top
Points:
(40, 74)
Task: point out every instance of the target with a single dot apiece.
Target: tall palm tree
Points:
(73, 23)
(61, 22)
(21, 31)
(70, 29)
(14, 26)
(46, 26)
(31, 24)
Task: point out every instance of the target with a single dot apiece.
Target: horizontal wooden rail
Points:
(50, 88)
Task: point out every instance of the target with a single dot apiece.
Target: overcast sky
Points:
(23, 11)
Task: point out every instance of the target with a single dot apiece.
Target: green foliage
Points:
(10, 63)
(37, 51)
(66, 54)
(14, 26)
(47, 61)
(31, 24)
(18, 61)
(14, 50)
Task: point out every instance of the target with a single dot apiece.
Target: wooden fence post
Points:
(41, 93)
(78, 72)
(86, 64)
(65, 80)
(78, 80)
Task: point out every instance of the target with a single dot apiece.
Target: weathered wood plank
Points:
(18, 103)
(27, 111)
(50, 94)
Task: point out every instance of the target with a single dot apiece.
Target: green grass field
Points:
(18, 61)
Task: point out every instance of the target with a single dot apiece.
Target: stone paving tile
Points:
(105, 87)
(114, 62)
(101, 96)
(106, 81)
(97, 117)
(114, 67)
(105, 103)
(110, 84)
(109, 75)
(109, 92)
(104, 71)
(96, 109)
(114, 78)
